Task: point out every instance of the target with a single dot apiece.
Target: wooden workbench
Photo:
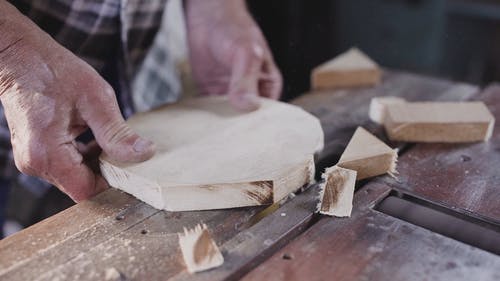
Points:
(399, 229)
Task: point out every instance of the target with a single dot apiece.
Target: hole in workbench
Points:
(287, 257)
(144, 231)
(461, 226)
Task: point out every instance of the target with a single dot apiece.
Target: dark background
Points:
(458, 40)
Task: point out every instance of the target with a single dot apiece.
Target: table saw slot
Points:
(460, 226)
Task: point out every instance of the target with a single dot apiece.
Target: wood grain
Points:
(115, 232)
(210, 156)
(368, 156)
(337, 192)
(373, 246)
(199, 250)
(249, 247)
(145, 251)
(376, 247)
(439, 122)
(70, 230)
(464, 177)
(341, 112)
(350, 69)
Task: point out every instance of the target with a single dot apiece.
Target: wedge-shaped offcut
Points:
(350, 69)
(368, 156)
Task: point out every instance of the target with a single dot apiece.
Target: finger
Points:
(112, 134)
(214, 87)
(244, 85)
(271, 82)
(70, 174)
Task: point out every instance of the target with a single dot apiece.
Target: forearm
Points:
(23, 50)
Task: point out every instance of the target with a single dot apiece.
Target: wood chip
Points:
(447, 122)
(368, 156)
(199, 249)
(378, 107)
(350, 69)
(337, 192)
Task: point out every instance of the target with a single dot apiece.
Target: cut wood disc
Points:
(210, 156)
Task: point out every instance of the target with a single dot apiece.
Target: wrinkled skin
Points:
(50, 96)
(229, 54)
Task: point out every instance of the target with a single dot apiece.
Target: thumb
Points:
(244, 85)
(118, 141)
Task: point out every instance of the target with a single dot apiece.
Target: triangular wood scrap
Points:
(337, 192)
(350, 69)
(368, 155)
(199, 249)
(378, 107)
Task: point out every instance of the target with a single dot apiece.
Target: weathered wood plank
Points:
(238, 264)
(145, 251)
(245, 250)
(374, 246)
(68, 227)
(96, 241)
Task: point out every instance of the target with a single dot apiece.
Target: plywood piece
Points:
(210, 156)
(199, 250)
(368, 155)
(378, 107)
(447, 122)
(350, 69)
(337, 192)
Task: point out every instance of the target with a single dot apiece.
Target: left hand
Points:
(229, 54)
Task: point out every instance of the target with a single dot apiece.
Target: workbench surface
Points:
(400, 228)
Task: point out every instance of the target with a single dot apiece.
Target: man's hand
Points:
(229, 54)
(50, 97)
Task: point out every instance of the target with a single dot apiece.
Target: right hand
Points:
(50, 97)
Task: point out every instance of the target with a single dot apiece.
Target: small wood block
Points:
(447, 122)
(337, 192)
(210, 156)
(350, 69)
(199, 249)
(368, 156)
(378, 107)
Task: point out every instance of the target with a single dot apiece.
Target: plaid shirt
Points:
(113, 36)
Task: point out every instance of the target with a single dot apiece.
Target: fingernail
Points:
(142, 145)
